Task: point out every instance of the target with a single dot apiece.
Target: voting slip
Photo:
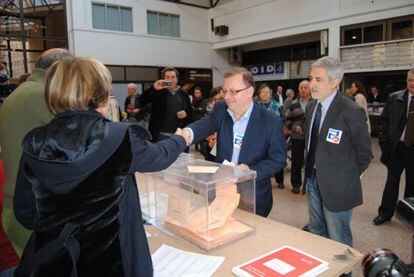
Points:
(172, 262)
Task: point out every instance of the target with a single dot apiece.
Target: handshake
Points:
(185, 134)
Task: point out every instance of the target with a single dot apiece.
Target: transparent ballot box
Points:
(206, 203)
(145, 183)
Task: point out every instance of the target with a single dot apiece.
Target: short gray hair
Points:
(47, 58)
(132, 85)
(411, 71)
(290, 91)
(334, 67)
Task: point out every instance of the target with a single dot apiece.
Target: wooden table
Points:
(269, 235)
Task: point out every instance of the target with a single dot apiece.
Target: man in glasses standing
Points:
(247, 135)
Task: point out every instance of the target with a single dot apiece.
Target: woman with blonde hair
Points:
(76, 187)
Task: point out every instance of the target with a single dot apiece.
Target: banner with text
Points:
(269, 71)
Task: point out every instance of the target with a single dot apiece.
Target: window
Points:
(387, 29)
(373, 33)
(110, 17)
(402, 30)
(163, 24)
(353, 36)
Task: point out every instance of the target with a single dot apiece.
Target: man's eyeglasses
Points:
(233, 91)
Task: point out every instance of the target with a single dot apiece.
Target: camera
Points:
(166, 83)
(383, 262)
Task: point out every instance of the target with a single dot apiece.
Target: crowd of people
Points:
(70, 195)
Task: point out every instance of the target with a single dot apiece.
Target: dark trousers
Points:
(403, 158)
(298, 155)
(279, 177)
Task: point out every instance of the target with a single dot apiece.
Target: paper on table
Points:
(214, 150)
(171, 262)
(201, 169)
(226, 162)
(148, 234)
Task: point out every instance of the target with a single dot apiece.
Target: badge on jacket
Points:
(334, 136)
(238, 141)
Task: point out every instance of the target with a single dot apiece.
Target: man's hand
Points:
(135, 110)
(185, 134)
(181, 114)
(243, 166)
(158, 85)
(212, 140)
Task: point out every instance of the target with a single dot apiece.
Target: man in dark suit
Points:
(396, 136)
(374, 96)
(171, 106)
(247, 135)
(135, 111)
(338, 151)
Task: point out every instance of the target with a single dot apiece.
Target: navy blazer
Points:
(263, 149)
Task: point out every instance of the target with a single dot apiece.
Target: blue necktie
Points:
(310, 158)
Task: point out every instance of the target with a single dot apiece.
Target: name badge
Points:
(334, 136)
(237, 141)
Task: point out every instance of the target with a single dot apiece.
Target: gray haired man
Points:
(338, 151)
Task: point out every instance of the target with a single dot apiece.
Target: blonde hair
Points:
(77, 84)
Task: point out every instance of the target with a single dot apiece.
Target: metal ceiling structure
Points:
(212, 3)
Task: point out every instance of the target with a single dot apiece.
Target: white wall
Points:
(192, 49)
(252, 23)
(258, 20)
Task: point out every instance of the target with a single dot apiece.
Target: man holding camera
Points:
(171, 107)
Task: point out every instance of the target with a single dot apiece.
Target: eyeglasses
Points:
(233, 91)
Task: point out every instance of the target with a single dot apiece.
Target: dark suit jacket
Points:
(138, 116)
(392, 123)
(263, 147)
(339, 166)
(380, 98)
(158, 99)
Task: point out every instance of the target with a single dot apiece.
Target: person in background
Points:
(266, 101)
(396, 138)
(208, 146)
(199, 108)
(294, 121)
(171, 106)
(76, 186)
(215, 96)
(374, 96)
(4, 74)
(278, 95)
(290, 95)
(8, 257)
(338, 148)
(114, 112)
(135, 111)
(199, 104)
(359, 94)
(26, 109)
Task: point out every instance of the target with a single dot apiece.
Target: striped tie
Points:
(409, 126)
